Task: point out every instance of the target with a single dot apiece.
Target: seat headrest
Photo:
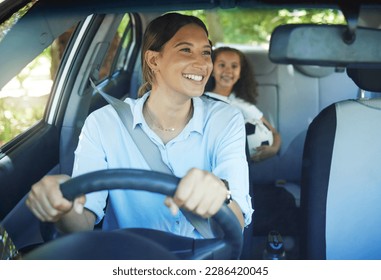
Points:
(315, 71)
(368, 79)
(260, 61)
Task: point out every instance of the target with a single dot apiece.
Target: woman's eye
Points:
(186, 50)
(207, 53)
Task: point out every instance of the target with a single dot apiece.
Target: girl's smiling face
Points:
(227, 70)
(184, 64)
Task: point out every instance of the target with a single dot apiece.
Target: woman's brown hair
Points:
(159, 31)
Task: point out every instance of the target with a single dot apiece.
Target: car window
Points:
(253, 27)
(24, 98)
(117, 54)
(13, 18)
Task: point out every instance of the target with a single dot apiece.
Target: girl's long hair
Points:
(246, 87)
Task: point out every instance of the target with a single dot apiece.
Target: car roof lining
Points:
(145, 5)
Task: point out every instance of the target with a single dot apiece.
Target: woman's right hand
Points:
(46, 202)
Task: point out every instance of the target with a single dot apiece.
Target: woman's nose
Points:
(202, 62)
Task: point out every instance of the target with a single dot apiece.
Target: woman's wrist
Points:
(229, 198)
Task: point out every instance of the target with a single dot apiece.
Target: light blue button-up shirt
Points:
(213, 140)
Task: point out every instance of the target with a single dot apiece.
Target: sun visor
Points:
(325, 45)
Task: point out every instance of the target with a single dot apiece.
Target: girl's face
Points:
(184, 65)
(227, 69)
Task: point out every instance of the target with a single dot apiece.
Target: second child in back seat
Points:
(233, 81)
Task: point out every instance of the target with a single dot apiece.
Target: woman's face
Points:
(184, 64)
(227, 69)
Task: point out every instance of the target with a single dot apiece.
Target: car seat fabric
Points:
(366, 79)
(290, 96)
(340, 184)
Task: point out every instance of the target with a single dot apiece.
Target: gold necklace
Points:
(160, 127)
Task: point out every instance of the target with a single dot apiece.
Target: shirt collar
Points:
(217, 96)
(196, 123)
(137, 110)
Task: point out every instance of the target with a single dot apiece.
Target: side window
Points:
(118, 51)
(24, 98)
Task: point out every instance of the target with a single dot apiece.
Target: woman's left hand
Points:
(200, 192)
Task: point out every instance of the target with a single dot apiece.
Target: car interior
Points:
(333, 190)
(321, 190)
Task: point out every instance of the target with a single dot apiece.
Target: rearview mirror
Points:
(325, 45)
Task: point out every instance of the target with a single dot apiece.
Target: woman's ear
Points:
(151, 59)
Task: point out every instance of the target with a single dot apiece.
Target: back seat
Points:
(290, 96)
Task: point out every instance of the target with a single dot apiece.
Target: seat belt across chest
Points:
(151, 154)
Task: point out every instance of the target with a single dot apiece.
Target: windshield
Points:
(8, 23)
(253, 27)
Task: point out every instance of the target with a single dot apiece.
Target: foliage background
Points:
(233, 26)
(254, 26)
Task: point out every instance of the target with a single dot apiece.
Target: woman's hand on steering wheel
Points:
(46, 201)
(200, 192)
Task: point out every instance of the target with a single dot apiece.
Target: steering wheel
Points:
(133, 243)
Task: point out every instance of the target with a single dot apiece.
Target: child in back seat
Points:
(232, 81)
